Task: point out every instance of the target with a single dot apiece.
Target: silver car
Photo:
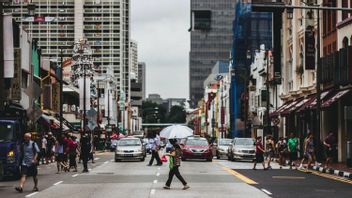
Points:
(241, 149)
(221, 147)
(130, 148)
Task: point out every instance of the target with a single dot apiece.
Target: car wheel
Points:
(210, 159)
(183, 159)
(117, 160)
(143, 159)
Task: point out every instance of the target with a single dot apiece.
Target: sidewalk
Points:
(338, 169)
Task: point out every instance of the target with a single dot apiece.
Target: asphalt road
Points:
(47, 177)
(293, 183)
(219, 178)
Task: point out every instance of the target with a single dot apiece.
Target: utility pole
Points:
(2, 66)
(61, 88)
(84, 99)
(318, 81)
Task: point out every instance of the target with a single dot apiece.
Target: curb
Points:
(331, 171)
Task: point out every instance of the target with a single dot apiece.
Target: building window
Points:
(345, 42)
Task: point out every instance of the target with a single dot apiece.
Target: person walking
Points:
(330, 148)
(60, 156)
(29, 156)
(50, 143)
(73, 153)
(308, 151)
(155, 151)
(292, 144)
(44, 142)
(281, 147)
(270, 147)
(85, 150)
(259, 153)
(175, 163)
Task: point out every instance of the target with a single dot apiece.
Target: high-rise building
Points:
(142, 77)
(104, 23)
(133, 60)
(211, 40)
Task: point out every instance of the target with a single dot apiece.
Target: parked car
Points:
(130, 148)
(241, 149)
(196, 148)
(221, 147)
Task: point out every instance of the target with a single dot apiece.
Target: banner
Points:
(56, 97)
(309, 50)
(16, 81)
(8, 47)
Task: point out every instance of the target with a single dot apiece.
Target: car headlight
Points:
(139, 150)
(236, 150)
(189, 149)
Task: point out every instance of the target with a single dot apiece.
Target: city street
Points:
(219, 178)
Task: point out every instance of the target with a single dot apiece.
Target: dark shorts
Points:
(29, 170)
(293, 156)
(60, 157)
(329, 153)
(259, 157)
(49, 152)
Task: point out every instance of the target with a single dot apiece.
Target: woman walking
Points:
(72, 146)
(175, 162)
(308, 151)
(270, 147)
(281, 147)
(59, 156)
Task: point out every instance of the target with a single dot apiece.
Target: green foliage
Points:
(177, 115)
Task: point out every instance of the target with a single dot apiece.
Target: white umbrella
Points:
(176, 132)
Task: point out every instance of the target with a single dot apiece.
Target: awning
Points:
(304, 106)
(277, 112)
(290, 107)
(46, 120)
(323, 95)
(335, 97)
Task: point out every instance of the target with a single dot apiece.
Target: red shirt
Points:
(259, 147)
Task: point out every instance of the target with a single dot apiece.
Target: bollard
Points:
(349, 154)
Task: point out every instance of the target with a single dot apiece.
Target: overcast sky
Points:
(161, 29)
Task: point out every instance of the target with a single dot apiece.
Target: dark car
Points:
(196, 148)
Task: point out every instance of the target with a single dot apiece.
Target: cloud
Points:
(161, 29)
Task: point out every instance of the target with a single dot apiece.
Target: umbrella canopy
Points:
(176, 132)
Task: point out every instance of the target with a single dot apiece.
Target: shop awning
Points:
(304, 106)
(290, 107)
(323, 95)
(335, 97)
(300, 104)
(46, 120)
(276, 113)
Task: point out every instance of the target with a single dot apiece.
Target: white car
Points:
(130, 148)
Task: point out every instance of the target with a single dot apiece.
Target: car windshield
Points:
(244, 142)
(129, 142)
(197, 142)
(225, 142)
(6, 131)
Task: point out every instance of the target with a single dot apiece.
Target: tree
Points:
(153, 113)
(177, 115)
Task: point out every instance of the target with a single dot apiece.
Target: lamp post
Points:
(61, 87)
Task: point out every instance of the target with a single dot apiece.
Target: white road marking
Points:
(159, 168)
(31, 194)
(97, 158)
(57, 183)
(155, 181)
(75, 175)
(266, 191)
(89, 169)
(111, 160)
(152, 192)
(158, 174)
(106, 162)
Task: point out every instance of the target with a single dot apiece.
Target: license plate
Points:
(197, 154)
(128, 155)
